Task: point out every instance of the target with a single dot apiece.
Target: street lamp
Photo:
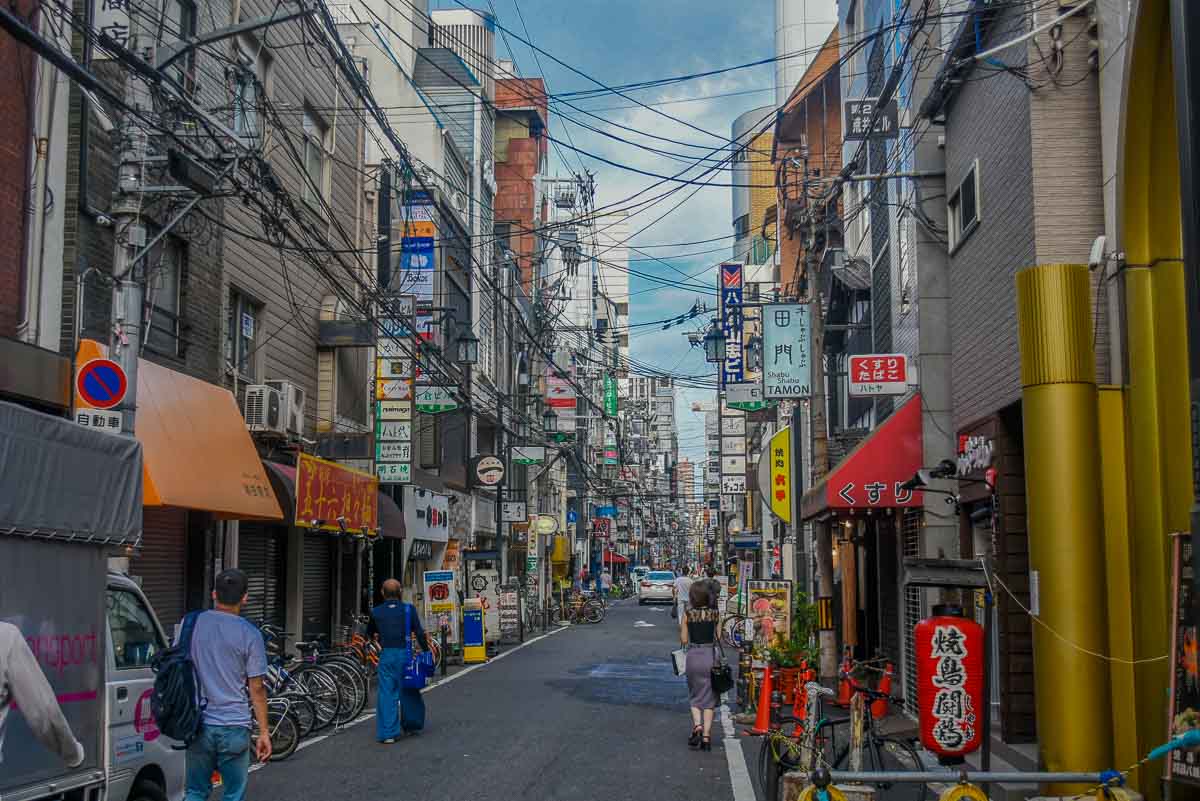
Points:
(549, 421)
(714, 344)
(468, 348)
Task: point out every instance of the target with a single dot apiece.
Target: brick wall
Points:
(17, 65)
(989, 122)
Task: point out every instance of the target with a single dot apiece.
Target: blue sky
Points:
(623, 41)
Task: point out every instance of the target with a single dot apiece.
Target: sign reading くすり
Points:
(879, 374)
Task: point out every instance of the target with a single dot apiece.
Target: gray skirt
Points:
(699, 677)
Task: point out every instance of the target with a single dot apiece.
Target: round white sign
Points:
(546, 524)
(489, 470)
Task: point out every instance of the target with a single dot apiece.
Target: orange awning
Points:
(196, 450)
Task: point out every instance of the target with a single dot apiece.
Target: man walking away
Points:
(714, 586)
(393, 622)
(683, 583)
(230, 660)
(605, 584)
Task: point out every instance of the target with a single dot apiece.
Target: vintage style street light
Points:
(549, 421)
(468, 348)
(714, 344)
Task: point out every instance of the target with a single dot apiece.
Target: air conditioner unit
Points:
(292, 408)
(263, 409)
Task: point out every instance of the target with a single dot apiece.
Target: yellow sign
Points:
(420, 228)
(779, 451)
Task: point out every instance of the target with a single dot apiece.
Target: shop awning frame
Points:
(283, 481)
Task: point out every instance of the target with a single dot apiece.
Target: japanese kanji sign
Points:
(879, 374)
(858, 120)
(787, 368)
(950, 684)
(111, 19)
(778, 453)
(326, 491)
(733, 368)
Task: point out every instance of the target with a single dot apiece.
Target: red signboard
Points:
(602, 527)
(950, 684)
(560, 393)
(872, 476)
(879, 374)
(327, 491)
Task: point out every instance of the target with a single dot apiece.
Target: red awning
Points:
(615, 558)
(870, 476)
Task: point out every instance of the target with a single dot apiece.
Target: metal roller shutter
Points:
(161, 564)
(262, 554)
(318, 581)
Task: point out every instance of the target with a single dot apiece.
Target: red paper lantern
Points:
(950, 664)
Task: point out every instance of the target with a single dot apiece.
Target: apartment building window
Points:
(316, 158)
(179, 24)
(243, 337)
(963, 207)
(252, 85)
(502, 231)
(741, 226)
(164, 288)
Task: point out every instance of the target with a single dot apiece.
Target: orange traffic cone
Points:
(843, 696)
(762, 720)
(879, 709)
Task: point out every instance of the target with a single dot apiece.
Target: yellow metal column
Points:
(1064, 518)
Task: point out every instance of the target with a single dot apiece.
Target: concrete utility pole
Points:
(129, 237)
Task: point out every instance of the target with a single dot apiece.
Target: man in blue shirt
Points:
(230, 660)
(394, 622)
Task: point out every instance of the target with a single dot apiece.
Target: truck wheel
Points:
(147, 790)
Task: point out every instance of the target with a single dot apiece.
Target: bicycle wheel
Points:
(352, 689)
(300, 707)
(892, 755)
(593, 613)
(732, 628)
(323, 691)
(285, 734)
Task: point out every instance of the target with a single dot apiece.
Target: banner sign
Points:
(560, 393)
(787, 338)
(732, 370)
(417, 267)
(610, 396)
(326, 491)
(879, 374)
(528, 454)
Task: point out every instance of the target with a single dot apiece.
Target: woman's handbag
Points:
(721, 674)
(679, 661)
(419, 667)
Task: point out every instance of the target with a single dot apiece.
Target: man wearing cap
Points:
(230, 660)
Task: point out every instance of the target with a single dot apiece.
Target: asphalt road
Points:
(588, 713)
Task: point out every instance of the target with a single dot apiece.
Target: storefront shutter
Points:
(318, 581)
(262, 554)
(161, 565)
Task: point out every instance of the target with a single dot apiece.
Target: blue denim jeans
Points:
(395, 707)
(225, 749)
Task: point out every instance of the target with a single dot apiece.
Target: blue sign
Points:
(747, 544)
(417, 266)
(572, 516)
(732, 370)
(606, 511)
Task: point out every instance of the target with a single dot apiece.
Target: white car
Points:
(657, 586)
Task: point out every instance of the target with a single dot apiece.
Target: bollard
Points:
(445, 648)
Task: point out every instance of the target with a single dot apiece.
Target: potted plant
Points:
(793, 651)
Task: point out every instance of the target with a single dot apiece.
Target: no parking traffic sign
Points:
(101, 383)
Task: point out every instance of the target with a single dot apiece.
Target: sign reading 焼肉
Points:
(770, 608)
(787, 338)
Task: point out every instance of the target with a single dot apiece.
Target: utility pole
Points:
(509, 369)
(129, 238)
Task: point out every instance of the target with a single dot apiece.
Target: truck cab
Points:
(142, 763)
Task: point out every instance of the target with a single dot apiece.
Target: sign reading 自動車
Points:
(787, 339)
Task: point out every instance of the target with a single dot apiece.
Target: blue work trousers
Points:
(396, 707)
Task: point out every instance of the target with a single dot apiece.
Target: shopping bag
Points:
(679, 661)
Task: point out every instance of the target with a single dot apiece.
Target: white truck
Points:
(75, 640)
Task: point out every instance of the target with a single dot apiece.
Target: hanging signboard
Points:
(787, 368)
(775, 474)
(528, 454)
(732, 370)
(733, 485)
(435, 400)
(487, 470)
(393, 451)
(879, 374)
(859, 114)
(400, 389)
(560, 393)
(393, 368)
(610, 396)
(326, 491)
(394, 472)
(733, 446)
(513, 512)
(417, 267)
(393, 410)
(393, 431)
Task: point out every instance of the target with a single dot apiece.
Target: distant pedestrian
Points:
(605, 583)
(697, 633)
(394, 623)
(714, 586)
(230, 659)
(683, 583)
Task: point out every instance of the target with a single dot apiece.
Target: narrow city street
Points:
(588, 712)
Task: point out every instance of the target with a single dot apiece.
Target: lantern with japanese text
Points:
(950, 665)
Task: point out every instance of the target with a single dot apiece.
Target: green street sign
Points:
(610, 396)
(434, 400)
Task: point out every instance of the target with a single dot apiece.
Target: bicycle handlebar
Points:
(872, 695)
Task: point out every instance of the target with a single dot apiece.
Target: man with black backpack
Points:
(229, 661)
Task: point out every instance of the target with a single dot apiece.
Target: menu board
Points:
(1185, 653)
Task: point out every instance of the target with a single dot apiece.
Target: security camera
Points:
(103, 220)
(1098, 256)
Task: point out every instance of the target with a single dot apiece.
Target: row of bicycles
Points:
(576, 607)
(318, 687)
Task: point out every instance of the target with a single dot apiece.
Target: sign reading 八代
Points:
(732, 369)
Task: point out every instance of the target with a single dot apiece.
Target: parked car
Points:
(657, 587)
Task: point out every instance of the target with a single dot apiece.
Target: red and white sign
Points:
(873, 475)
(560, 393)
(950, 698)
(879, 374)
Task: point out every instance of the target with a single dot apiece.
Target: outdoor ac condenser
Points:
(292, 405)
(263, 409)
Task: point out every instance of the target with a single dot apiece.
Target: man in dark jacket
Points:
(394, 622)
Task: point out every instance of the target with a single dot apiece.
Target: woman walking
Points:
(697, 633)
